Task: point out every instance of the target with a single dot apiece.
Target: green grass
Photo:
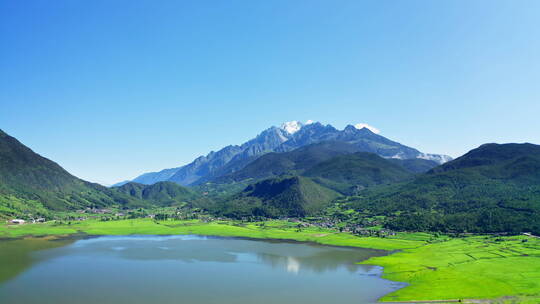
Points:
(464, 268)
(436, 267)
(270, 230)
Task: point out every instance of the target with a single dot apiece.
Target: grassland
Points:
(465, 268)
(436, 267)
(267, 230)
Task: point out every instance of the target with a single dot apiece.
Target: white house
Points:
(17, 221)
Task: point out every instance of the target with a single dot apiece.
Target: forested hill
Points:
(516, 163)
(30, 183)
(494, 188)
(294, 196)
(336, 162)
(160, 193)
(292, 162)
(357, 170)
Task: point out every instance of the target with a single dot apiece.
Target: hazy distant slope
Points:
(153, 177)
(415, 165)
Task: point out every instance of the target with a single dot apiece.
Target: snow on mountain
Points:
(398, 156)
(292, 127)
(291, 135)
(439, 158)
(365, 125)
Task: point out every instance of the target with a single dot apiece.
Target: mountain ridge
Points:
(290, 136)
(493, 188)
(160, 193)
(335, 164)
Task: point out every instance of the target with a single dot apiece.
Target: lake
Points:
(186, 269)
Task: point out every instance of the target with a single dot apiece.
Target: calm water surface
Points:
(187, 269)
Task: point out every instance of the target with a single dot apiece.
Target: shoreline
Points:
(82, 236)
(416, 259)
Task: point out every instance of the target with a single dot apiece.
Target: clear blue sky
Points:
(112, 89)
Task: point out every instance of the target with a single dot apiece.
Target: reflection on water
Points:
(195, 269)
(15, 255)
(293, 265)
(292, 257)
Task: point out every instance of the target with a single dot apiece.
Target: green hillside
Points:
(159, 194)
(494, 188)
(284, 196)
(293, 162)
(30, 183)
(515, 163)
(336, 165)
(357, 171)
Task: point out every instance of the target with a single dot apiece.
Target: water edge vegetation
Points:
(436, 266)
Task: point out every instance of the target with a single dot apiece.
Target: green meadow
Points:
(436, 267)
(466, 268)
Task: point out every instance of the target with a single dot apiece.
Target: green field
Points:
(470, 268)
(267, 230)
(436, 267)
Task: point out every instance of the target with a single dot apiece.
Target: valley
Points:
(447, 225)
(269, 152)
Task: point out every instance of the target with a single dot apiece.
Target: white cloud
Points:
(365, 125)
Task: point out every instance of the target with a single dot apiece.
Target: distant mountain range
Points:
(307, 170)
(302, 182)
(494, 188)
(338, 165)
(288, 137)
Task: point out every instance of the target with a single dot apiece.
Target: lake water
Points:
(186, 269)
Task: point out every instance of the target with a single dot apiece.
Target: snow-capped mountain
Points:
(292, 127)
(291, 135)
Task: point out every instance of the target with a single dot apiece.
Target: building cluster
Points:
(31, 220)
(342, 226)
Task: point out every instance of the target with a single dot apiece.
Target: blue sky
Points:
(112, 89)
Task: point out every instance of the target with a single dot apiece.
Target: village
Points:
(372, 227)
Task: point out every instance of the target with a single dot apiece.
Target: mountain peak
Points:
(289, 136)
(292, 127)
(350, 128)
(362, 125)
